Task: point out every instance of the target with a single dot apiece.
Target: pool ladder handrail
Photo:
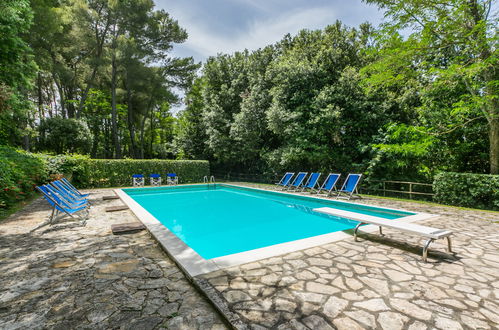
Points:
(210, 180)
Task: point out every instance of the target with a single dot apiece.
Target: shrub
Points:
(92, 173)
(467, 189)
(20, 171)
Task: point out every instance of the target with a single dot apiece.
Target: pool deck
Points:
(85, 277)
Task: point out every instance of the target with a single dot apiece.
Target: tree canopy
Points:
(405, 100)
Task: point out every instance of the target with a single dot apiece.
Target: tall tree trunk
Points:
(142, 131)
(62, 99)
(95, 141)
(100, 45)
(40, 96)
(494, 145)
(131, 129)
(114, 112)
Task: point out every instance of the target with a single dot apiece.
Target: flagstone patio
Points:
(73, 276)
(84, 277)
(376, 283)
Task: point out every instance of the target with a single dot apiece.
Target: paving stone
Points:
(410, 309)
(373, 305)
(321, 288)
(317, 322)
(334, 306)
(392, 321)
(345, 323)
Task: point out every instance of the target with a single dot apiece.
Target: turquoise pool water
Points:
(227, 220)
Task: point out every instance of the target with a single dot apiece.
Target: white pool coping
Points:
(193, 264)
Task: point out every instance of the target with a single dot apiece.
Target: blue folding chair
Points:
(329, 185)
(313, 180)
(72, 188)
(138, 180)
(349, 187)
(62, 198)
(286, 179)
(298, 181)
(61, 206)
(67, 193)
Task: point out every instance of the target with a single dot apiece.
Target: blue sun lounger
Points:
(312, 182)
(66, 193)
(72, 188)
(60, 205)
(329, 185)
(62, 197)
(298, 181)
(286, 179)
(349, 187)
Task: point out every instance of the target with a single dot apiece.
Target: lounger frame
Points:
(296, 185)
(285, 182)
(306, 185)
(333, 187)
(430, 233)
(350, 194)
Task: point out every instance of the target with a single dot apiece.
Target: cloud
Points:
(259, 32)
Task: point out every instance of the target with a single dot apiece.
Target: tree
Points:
(16, 70)
(64, 135)
(451, 41)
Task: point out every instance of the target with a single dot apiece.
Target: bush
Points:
(93, 173)
(466, 189)
(20, 171)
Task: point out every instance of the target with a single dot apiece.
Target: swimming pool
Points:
(226, 220)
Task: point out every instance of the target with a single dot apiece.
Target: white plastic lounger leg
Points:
(355, 231)
(425, 248)
(449, 245)
(381, 231)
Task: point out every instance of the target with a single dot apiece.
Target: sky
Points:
(226, 26)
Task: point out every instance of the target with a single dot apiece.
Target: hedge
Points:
(467, 189)
(94, 173)
(20, 171)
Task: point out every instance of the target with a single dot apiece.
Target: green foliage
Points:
(64, 135)
(449, 65)
(19, 173)
(467, 189)
(16, 70)
(92, 173)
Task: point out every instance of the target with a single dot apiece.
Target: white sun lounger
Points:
(425, 231)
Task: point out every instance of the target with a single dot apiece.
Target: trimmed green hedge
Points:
(21, 171)
(467, 189)
(93, 173)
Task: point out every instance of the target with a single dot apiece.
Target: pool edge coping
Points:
(193, 264)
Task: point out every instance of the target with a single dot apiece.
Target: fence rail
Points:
(405, 188)
(392, 188)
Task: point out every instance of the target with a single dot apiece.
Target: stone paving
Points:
(84, 277)
(376, 283)
(72, 276)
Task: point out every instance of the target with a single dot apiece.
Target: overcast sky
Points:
(225, 26)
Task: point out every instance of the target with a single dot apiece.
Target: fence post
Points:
(384, 189)
(410, 190)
